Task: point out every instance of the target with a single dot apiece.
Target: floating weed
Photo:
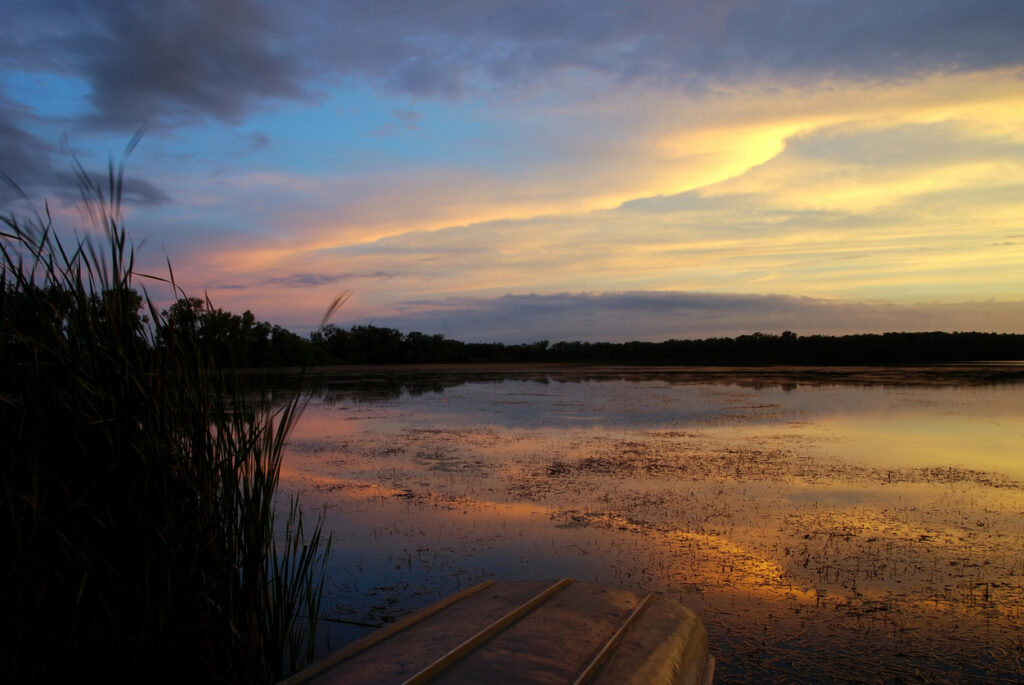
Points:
(804, 567)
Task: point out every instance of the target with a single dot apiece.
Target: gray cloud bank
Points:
(304, 280)
(657, 316)
(182, 62)
(173, 62)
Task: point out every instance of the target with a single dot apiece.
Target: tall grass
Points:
(138, 482)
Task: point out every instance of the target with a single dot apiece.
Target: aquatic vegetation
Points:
(861, 526)
(139, 524)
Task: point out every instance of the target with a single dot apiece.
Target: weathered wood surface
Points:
(530, 632)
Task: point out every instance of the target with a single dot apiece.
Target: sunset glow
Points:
(447, 165)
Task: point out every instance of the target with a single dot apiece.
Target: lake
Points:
(825, 523)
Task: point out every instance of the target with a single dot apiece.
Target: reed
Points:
(138, 480)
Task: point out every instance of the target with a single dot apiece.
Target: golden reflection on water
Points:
(870, 532)
(984, 443)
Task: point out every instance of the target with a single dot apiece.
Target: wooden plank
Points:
(552, 644)
(307, 674)
(598, 661)
(667, 644)
(408, 652)
(483, 636)
(532, 632)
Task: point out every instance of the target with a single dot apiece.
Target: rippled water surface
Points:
(825, 524)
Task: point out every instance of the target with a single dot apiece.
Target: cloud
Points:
(835, 150)
(29, 162)
(177, 62)
(407, 120)
(161, 65)
(256, 141)
(24, 159)
(135, 191)
(655, 316)
(307, 280)
(407, 116)
(898, 146)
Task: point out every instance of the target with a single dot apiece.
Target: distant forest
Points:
(242, 341)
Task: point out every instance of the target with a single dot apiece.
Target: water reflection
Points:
(375, 383)
(868, 529)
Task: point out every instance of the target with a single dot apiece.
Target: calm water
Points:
(825, 524)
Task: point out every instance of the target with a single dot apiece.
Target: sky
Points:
(519, 171)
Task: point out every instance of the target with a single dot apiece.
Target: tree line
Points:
(242, 341)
